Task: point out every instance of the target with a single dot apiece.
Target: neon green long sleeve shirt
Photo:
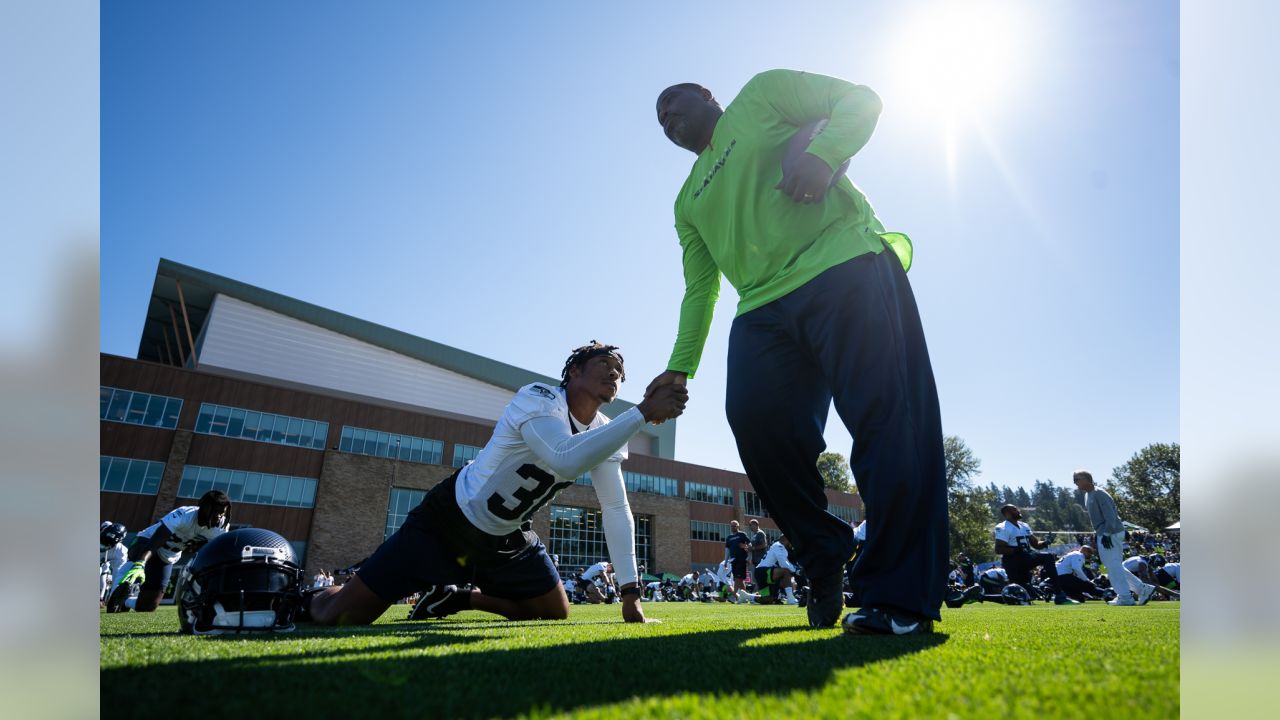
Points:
(731, 220)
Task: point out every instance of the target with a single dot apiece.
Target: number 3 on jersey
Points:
(528, 500)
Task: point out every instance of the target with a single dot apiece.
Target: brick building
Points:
(328, 429)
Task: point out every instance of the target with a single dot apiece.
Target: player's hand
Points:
(1106, 541)
(664, 403)
(808, 180)
(668, 377)
(631, 611)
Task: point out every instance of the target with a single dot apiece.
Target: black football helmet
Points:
(1015, 594)
(242, 581)
(111, 533)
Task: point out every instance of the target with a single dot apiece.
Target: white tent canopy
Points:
(1131, 526)
(1176, 527)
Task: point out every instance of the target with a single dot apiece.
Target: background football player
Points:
(158, 547)
(474, 526)
(112, 555)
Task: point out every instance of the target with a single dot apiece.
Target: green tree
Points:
(835, 472)
(1147, 489)
(968, 506)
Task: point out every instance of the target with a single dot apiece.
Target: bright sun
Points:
(959, 58)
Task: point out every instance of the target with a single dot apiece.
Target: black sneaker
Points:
(826, 598)
(874, 621)
(115, 601)
(439, 601)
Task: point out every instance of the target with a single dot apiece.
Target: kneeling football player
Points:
(474, 526)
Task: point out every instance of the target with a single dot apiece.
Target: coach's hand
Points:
(664, 403)
(1105, 540)
(808, 180)
(669, 377)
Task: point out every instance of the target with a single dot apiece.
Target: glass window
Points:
(137, 408)
(296, 492)
(204, 418)
(268, 489)
(265, 426)
(293, 432)
(155, 410)
(308, 433)
(577, 537)
(115, 475)
(172, 410)
(344, 443)
(281, 496)
(119, 405)
(221, 414)
(104, 400)
(321, 436)
(187, 487)
(308, 493)
(384, 439)
(235, 426)
(204, 482)
(155, 472)
(280, 429)
(251, 482)
(401, 501)
(237, 485)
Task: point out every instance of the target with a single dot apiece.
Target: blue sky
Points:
(495, 180)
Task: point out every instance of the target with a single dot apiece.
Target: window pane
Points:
(308, 433)
(155, 411)
(437, 453)
(235, 426)
(415, 450)
(155, 471)
(104, 400)
(278, 430)
(268, 488)
(384, 439)
(250, 429)
(237, 485)
(251, 482)
(344, 444)
(292, 431)
(264, 429)
(187, 487)
(405, 448)
(321, 436)
(104, 464)
(218, 426)
(357, 440)
(204, 482)
(281, 496)
(203, 420)
(119, 405)
(223, 481)
(309, 493)
(137, 473)
(295, 492)
(137, 408)
(172, 409)
(115, 474)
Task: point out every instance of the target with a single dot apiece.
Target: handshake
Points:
(665, 397)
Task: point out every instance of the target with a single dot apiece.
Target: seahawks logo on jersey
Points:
(544, 392)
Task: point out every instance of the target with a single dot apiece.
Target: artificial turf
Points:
(702, 660)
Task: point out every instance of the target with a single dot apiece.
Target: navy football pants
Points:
(852, 335)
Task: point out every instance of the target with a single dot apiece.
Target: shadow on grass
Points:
(425, 677)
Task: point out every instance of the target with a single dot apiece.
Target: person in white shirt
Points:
(596, 580)
(1016, 545)
(474, 527)
(1110, 532)
(1075, 582)
(156, 549)
(1169, 575)
(112, 555)
(773, 574)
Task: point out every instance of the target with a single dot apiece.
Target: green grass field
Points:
(712, 661)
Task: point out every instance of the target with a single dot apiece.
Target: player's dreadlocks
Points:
(585, 353)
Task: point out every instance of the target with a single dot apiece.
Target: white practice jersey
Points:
(186, 533)
(596, 572)
(1015, 534)
(777, 557)
(1072, 564)
(110, 558)
(996, 574)
(707, 579)
(1175, 571)
(1134, 564)
(688, 580)
(536, 451)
